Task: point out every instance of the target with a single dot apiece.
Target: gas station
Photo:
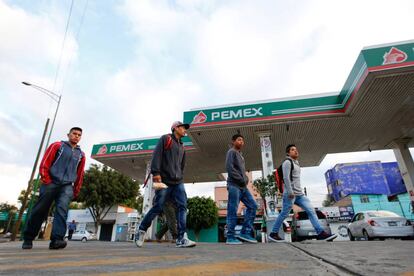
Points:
(374, 110)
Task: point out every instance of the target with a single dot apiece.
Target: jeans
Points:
(178, 195)
(62, 196)
(303, 202)
(237, 194)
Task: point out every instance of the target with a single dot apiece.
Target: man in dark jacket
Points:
(237, 189)
(167, 166)
(61, 172)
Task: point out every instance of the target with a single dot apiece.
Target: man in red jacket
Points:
(61, 172)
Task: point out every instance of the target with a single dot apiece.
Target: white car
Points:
(379, 224)
(82, 235)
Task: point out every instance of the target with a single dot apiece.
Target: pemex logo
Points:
(199, 118)
(394, 56)
(102, 150)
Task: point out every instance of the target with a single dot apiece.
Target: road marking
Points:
(96, 262)
(229, 267)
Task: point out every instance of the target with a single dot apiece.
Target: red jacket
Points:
(63, 164)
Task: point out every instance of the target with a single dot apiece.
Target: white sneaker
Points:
(140, 238)
(185, 242)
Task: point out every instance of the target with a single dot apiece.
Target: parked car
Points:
(302, 228)
(379, 224)
(82, 235)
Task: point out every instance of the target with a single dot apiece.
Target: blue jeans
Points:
(237, 194)
(303, 202)
(62, 196)
(178, 195)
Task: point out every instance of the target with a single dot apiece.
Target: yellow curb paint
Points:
(95, 262)
(211, 269)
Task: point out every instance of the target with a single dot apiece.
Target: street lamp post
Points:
(57, 99)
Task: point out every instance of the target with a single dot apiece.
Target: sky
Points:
(126, 68)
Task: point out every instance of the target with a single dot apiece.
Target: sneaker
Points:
(27, 244)
(140, 238)
(247, 238)
(274, 237)
(57, 244)
(233, 241)
(185, 242)
(327, 237)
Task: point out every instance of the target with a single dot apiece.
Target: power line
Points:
(76, 38)
(63, 45)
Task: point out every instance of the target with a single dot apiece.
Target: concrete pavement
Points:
(391, 257)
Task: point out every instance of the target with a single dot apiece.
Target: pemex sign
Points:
(131, 147)
(262, 111)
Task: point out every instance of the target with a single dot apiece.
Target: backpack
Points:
(168, 143)
(279, 176)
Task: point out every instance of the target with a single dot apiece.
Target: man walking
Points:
(293, 195)
(72, 229)
(167, 166)
(61, 172)
(237, 191)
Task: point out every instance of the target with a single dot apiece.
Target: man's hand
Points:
(156, 178)
(291, 196)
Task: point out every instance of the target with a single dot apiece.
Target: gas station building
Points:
(374, 110)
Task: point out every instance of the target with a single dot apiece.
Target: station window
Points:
(364, 198)
(222, 204)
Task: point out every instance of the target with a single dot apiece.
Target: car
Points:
(82, 235)
(379, 224)
(302, 228)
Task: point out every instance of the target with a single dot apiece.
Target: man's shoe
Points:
(140, 238)
(247, 238)
(57, 244)
(326, 237)
(274, 237)
(233, 241)
(27, 244)
(185, 242)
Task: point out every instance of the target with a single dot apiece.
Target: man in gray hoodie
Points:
(293, 194)
(237, 188)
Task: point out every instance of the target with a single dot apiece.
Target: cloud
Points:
(29, 51)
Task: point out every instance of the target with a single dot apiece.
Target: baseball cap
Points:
(177, 124)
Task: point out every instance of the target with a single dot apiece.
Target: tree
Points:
(135, 203)
(202, 214)
(266, 187)
(329, 201)
(103, 188)
(35, 197)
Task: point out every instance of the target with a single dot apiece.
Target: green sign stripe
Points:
(358, 79)
(355, 71)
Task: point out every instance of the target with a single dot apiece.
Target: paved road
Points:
(308, 258)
